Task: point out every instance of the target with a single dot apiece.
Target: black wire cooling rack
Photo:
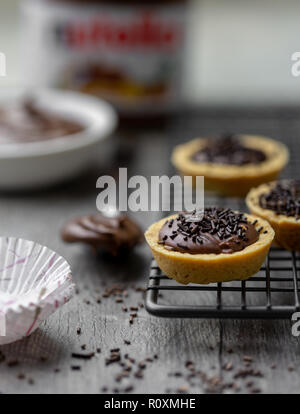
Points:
(272, 293)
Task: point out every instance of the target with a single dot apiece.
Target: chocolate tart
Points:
(233, 246)
(231, 165)
(279, 203)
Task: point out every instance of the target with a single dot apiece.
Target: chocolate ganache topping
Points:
(283, 198)
(216, 231)
(25, 121)
(112, 234)
(228, 149)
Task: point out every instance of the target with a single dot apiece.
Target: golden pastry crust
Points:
(210, 268)
(233, 180)
(287, 229)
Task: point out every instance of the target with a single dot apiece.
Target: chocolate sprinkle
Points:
(214, 230)
(283, 198)
(83, 356)
(228, 149)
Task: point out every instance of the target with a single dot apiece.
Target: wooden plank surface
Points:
(185, 355)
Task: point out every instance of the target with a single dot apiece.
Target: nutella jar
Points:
(129, 52)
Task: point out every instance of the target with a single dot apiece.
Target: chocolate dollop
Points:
(25, 121)
(228, 149)
(112, 234)
(215, 230)
(283, 198)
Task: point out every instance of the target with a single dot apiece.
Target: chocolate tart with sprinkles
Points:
(231, 164)
(216, 245)
(279, 203)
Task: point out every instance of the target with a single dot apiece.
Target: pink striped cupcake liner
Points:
(34, 282)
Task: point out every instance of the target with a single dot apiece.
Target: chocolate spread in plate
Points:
(24, 121)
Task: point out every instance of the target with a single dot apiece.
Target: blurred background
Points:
(238, 53)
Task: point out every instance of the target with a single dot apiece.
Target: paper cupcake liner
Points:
(34, 282)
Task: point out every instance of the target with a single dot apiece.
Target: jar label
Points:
(131, 55)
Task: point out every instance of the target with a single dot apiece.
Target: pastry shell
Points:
(233, 180)
(210, 268)
(287, 229)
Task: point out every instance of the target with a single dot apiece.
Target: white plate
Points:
(36, 164)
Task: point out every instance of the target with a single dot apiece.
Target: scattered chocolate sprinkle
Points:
(118, 377)
(139, 374)
(83, 356)
(190, 365)
(244, 373)
(75, 367)
(115, 356)
(255, 390)
(175, 374)
(129, 388)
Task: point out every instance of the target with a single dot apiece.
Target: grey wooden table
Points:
(170, 355)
